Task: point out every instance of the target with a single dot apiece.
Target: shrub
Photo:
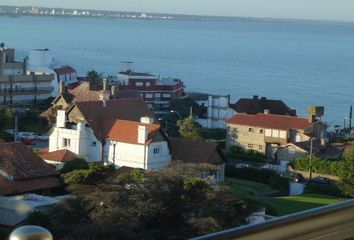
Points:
(318, 188)
(39, 219)
(77, 164)
(266, 176)
(328, 167)
(94, 174)
(237, 152)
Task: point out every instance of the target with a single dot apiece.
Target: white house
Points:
(122, 132)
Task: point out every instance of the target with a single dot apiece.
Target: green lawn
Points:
(278, 206)
(248, 189)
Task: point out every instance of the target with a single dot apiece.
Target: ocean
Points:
(302, 63)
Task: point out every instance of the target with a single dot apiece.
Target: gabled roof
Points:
(270, 121)
(19, 162)
(102, 116)
(8, 187)
(127, 132)
(258, 105)
(195, 152)
(64, 70)
(63, 155)
(83, 93)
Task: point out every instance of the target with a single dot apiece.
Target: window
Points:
(66, 142)
(260, 147)
(251, 130)
(268, 132)
(157, 95)
(166, 95)
(156, 150)
(282, 134)
(93, 144)
(275, 133)
(250, 145)
(148, 95)
(147, 84)
(261, 131)
(139, 84)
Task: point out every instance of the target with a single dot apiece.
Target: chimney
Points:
(255, 97)
(147, 120)
(105, 84)
(25, 64)
(61, 87)
(114, 91)
(142, 134)
(263, 98)
(104, 103)
(61, 119)
(323, 142)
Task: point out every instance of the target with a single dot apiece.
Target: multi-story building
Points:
(266, 132)
(41, 61)
(17, 85)
(157, 92)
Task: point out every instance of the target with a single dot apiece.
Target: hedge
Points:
(317, 188)
(321, 166)
(237, 152)
(265, 176)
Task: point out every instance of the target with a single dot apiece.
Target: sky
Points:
(341, 10)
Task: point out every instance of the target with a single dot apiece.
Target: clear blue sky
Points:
(302, 9)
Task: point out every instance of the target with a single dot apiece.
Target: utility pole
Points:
(310, 167)
(350, 118)
(16, 127)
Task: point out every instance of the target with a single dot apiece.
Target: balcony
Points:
(25, 91)
(325, 223)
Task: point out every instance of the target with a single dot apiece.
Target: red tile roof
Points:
(102, 118)
(19, 162)
(63, 155)
(28, 185)
(270, 121)
(127, 131)
(64, 70)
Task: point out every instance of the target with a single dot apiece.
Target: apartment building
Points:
(157, 92)
(17, 85)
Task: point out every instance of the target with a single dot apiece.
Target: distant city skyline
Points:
(299, 9)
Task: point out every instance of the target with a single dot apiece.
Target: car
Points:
(321, 180)
(28, 141)
(27, 135)
(10, 131)
(44, 137)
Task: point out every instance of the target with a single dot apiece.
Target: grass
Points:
(248, 189)
(278, 206)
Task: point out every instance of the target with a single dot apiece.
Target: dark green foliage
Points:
(7, 137)
(77, 164)
(144, 205)
(93, 174)
(321, 166)
(317, 188)
(238, 153)
(184, 105)
(4, 234)
(94, 77)
(265, 176)
(39, 219)
(347, 174)
(190, 129)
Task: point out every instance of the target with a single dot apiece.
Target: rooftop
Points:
(270, 121)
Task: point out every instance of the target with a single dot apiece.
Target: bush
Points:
(77, 164)
(317, 188)
(265, 176)
(39, 219)
(7, 137)
(94, 174)
(237, 152)
(321, 166)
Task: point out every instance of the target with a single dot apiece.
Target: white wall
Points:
(137, 155)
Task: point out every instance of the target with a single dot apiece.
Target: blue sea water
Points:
(302, 63)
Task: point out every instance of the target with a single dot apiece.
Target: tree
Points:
(94, 77)
(76, 164)
(190, 129)
(144, 205)
(347, 174)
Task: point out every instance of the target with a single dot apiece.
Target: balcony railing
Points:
(333, 222)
